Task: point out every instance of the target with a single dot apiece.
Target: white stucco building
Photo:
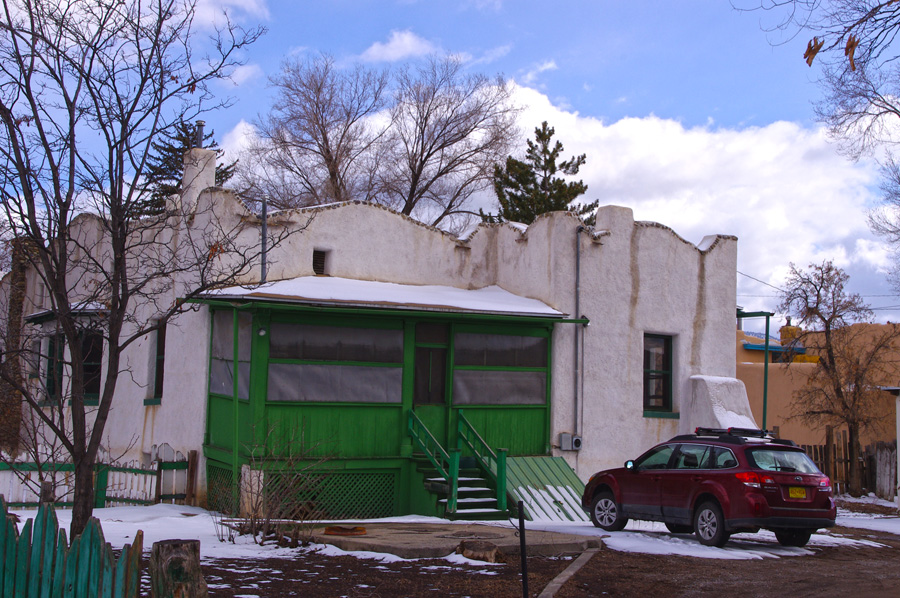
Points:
(586, 343)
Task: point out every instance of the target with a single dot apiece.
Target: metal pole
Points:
(766, 377)
(264, 235)
(522, 549)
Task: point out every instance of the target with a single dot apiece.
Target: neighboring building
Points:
(789, 369)
(590, 344)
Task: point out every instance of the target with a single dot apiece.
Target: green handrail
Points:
(494, 463)
(447, 464)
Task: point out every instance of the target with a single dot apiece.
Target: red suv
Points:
(716, 483)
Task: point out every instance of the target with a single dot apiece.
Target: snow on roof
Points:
(330, 290)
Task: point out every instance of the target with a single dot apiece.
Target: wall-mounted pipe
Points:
(576, 427)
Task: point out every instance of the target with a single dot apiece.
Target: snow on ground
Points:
(164, 522)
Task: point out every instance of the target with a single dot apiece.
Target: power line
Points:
(760, 281)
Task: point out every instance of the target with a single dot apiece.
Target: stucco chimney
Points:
(199, 174)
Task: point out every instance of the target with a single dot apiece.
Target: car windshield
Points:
(779, 460)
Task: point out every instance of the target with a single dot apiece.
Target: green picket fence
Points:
(39, 563)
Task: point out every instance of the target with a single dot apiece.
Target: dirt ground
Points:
(831, 571)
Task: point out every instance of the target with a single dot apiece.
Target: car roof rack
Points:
(735, 435)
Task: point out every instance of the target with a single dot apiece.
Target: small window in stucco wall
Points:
(657, 373)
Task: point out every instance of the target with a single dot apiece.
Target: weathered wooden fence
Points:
(39, 563)
(878, 464)
(171, 477)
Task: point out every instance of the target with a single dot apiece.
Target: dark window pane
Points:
(485, 387)
(334, 383)
(92, 354)
(430, 375)
(500, 350)
(334, 343)
(159, 373)
(435, 334)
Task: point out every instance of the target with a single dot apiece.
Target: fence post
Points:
(101, 480)
(190, 487)
(829, 453)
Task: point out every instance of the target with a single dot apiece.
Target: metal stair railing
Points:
(447, 464)
(494, 463)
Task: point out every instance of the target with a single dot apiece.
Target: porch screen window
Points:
(500, 369)
(221, 367)
(657, 372)
(312, 363)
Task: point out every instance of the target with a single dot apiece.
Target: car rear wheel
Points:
(605, 513)
(793, 537)
(709, 525)
(677, 528)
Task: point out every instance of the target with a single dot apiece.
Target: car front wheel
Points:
(709, 525)
(793, 537)
(605, 513)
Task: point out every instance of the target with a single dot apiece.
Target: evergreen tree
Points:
(165, 166)
(526, 189)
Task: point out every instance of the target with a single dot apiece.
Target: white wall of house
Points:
(635, 278)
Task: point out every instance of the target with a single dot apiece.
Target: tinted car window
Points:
(656, 458)
(722, 458)
(693, 456)
(775, 460)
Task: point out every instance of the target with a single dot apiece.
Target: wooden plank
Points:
(37, 546)
(71, 576)
(22, 560)
(48, 552)
(59, 565)
(133, 568)
(108, 565)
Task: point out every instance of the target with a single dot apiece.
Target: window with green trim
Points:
(657, 372)
(500, 369)
(430, 376)
(222, 364)
(322, 363)
(159, 362)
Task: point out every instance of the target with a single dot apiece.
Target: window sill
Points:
(662, 414)
(153, 401)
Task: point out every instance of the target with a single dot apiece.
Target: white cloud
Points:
(400, 45)
(493, 54)
(244, 73)
(210, 12)
(782, 189)
(531, 76)
(238, 139)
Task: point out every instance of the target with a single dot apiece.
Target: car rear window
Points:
(780, 460)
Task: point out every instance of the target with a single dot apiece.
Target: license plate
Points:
(796, 492)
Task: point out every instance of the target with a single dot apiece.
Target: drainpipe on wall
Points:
(577, 370)
(263, 232)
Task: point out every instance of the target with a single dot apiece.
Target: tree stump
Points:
(175, 570)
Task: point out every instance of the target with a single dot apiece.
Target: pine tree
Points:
(526, 189)
(165, 167)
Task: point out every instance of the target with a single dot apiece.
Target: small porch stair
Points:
(476, 498)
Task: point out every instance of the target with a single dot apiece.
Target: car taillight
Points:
(748, 478)
(825, 484)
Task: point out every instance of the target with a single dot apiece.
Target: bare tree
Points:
(319, 136)
(449, 130)
(854, 43)
(85, 89)
(854, 359)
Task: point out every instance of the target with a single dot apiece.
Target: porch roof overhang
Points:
(334, 292)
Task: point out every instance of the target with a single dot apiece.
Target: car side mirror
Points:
(629, 465)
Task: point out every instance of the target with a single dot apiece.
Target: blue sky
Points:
(687, 111)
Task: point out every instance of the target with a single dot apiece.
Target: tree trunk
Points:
(855, 481)
(84, 496)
